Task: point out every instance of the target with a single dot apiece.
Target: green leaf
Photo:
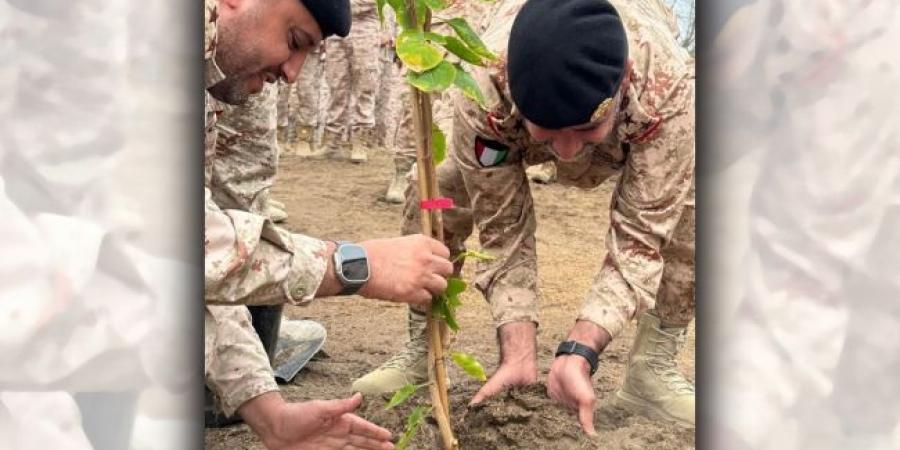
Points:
(474, 254)
(455, 286)
(436, 38)
(436, 5)
(403, 394)
(399, 7)
(471, 39)
(379, 5)
(413, 422)
(433, 80)
(438, 144)
(441, 309)
(468, 86)
(416, 53)
(458, 48)
(470, 365)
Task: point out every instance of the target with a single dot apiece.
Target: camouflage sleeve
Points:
(248, 260)
(503, 211)
(236, 366)
(655, 186)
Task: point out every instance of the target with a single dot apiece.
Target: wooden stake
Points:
(432, 225)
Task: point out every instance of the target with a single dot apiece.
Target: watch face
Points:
(353, 263)
(350, 252)
(355, 270)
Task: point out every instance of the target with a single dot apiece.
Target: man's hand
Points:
(409, 269)
(569, 382)
(313, 425)
(518, 360)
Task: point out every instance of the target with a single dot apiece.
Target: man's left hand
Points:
(569, 383)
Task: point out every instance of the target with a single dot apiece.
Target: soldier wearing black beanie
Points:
(600, 88)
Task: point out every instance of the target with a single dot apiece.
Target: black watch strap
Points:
(574, 348)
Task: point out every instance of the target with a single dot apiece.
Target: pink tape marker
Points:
(436, 203)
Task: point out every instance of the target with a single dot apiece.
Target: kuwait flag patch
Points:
(489, 153)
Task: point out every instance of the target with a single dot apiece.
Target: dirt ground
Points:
(339, 200)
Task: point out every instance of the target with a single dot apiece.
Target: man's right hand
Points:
(408, 269)
(313, 425)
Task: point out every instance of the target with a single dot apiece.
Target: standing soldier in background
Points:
(402, 137)
(247, 157)
(351, 71)
(618, 97)
(298, 107)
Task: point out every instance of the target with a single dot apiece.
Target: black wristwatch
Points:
(574, 348)
(351, 267)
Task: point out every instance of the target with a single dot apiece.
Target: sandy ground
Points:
(338, 200)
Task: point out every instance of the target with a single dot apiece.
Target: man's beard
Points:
(237, 57)
(231, 90)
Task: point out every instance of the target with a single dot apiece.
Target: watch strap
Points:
(575, 348)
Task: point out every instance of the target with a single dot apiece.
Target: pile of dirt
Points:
(526, 418)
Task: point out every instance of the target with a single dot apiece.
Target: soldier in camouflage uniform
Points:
(619, 98)
(247, 157)
(351, 71)
(248, 260)
(477, 14)
(298, 106)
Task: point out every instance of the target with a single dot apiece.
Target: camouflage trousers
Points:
(351, 71)
(299, 102)
(675, 298)
(404, 133)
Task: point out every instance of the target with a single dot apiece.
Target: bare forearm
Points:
(590, 334)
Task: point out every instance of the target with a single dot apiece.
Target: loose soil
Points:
(339, 200)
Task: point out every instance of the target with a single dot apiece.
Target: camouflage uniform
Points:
(651, 238)
(243, 170)
(478, 14)
(247, 260)
(817, 284)
(351, 71)
(298, 103)
(403, 134)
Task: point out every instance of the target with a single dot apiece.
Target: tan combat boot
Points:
(303, 147)
(408, 366)
(330, 149)
(544, 173)
(653, 385)
(361, 140)
(358, 151)
(396, 192)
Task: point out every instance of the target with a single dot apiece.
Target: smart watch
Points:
(574, 348)
(351, 267)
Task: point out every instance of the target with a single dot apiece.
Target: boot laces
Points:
(407, 357)
(663, 364)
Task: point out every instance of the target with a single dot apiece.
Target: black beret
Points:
(565, 57)
(333, 16)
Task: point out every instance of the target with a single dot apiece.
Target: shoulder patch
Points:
(489, 153)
